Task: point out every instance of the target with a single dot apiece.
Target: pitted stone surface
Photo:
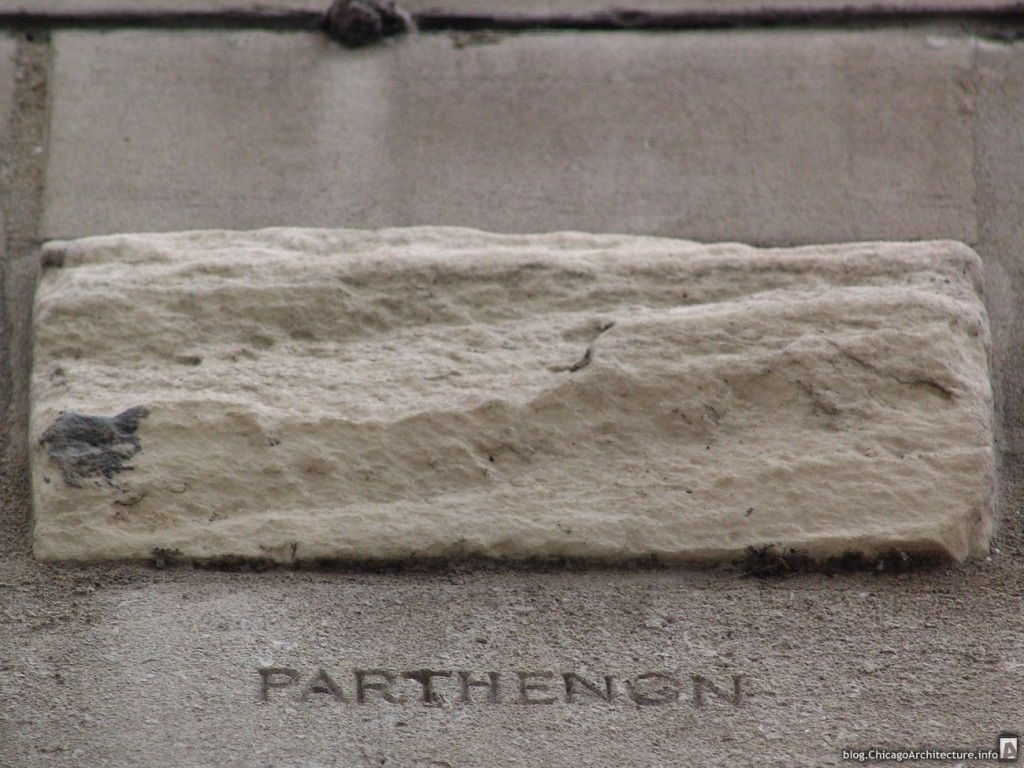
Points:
(435, 392)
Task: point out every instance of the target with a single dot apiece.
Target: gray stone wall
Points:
(775, 137)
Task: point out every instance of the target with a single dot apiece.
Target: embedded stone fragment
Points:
(297, 394)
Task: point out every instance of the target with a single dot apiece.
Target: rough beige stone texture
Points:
(446, 392)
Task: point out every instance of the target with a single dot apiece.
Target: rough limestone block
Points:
(299, 394)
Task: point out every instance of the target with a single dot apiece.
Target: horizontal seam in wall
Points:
(793, 14)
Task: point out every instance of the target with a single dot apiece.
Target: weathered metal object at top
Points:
(355, 23)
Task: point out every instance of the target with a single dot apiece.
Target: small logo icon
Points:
(1009, 747)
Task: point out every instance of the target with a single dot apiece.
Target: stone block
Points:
(297, 395)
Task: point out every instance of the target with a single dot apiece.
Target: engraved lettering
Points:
(491, 684)
(525, 688)
(384, 687)
(645, 689)
(572, 680)
(664, 691)
(275, 677)
(322, 683)
(425, 678)
(700, 683)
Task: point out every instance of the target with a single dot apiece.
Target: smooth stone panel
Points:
(794, 137)
(1001, 227)
(1000, 180)
(297, 395)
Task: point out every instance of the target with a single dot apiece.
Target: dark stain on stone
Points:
(770, 561)
(163, 557)
(92, 446)
(765, 562)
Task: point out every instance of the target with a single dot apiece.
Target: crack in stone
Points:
(588, 355)
(919, 382)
